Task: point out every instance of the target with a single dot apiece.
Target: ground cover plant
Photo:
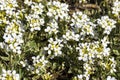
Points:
(59, 40)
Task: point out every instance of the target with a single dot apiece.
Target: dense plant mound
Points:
(59, 40)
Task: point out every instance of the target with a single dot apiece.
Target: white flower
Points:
(113, 64)
(80, 77)
(23, 63)
(9, 75)
(70, 35)
(54, 46)
(28, 2)
(88, 28)
(88, 71)
(37, 8)
(111, 78)
(83, 51)
(116, 8)
(39, 62)
(106, 49)
(52, 27)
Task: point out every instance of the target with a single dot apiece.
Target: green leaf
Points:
(116, 52)
(4, 58)
(31, 46)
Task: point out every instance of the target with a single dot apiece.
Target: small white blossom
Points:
(52, 27)
(37, 8)
(80, 77)
(88, 28)
(111, 78)
(88, 70)
(23, 63)
(70, 35)
(55, 46)
(113, 64)
(41, 62)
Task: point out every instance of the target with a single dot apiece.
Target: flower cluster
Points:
(107, 24)
(13, 31)
(88, 70)
(79, 19)
(116, 8)
(9, 6)
(9, 75)
(82, 23)
(39, 63)
(34, 22)
(57, 10)
(54, 46)
(89, 52)
(34, 18)
(13, 36)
